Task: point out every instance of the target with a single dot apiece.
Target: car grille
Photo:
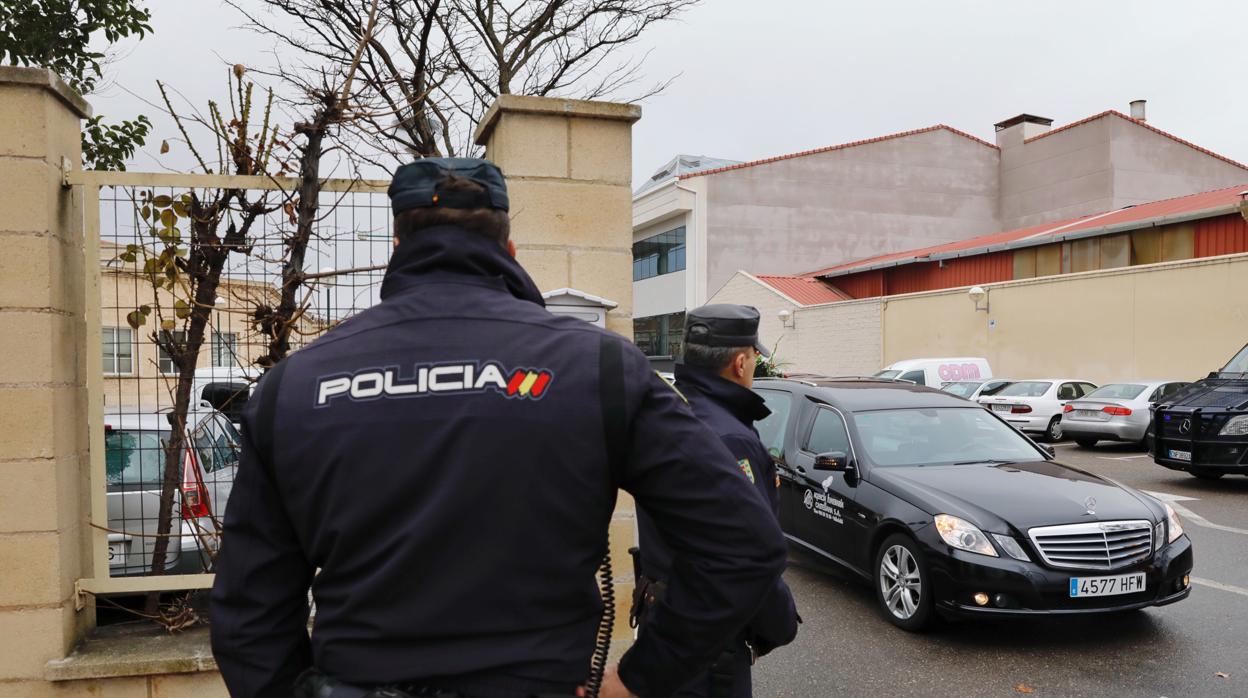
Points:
(1102, 546)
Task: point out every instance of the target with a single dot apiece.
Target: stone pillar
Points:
(43, 369)
(568, 165)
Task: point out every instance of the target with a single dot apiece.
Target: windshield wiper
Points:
(993, 461)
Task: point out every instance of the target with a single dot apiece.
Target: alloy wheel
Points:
(901, 582)
(1055, 429)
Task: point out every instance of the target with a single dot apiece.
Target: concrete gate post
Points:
(43, 369)
(568, 165)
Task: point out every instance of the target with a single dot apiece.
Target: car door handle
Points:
(801, 470)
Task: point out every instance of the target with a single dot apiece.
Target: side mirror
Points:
(835, 461)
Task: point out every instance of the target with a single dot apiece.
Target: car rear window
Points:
(960, 389)
(134, 457)
(1116, 391)
(1026, 389)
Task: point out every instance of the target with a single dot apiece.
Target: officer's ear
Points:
(396, 241)
(511, 248)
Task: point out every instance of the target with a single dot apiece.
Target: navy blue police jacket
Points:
(435, 470)
(730, 411)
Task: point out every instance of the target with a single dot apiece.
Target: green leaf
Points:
(146, 212)
(181, 309)
(145, 309)
(163, 201)
(134, 318)
(180, 209)
(168, 218)
(168, 324)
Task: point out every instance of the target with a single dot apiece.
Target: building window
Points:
(660, 335)
(118, 351)
(165, 362)
(224, 349)
(660, 254)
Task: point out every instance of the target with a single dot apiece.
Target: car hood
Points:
(1017, 496)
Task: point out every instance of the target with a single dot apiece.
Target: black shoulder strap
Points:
(611, 395)
(266, 413)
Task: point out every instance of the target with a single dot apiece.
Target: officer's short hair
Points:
(490, 222)
(715, 358)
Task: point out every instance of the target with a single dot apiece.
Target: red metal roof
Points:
(1143, 124)
(1142, 214)
(805, 290)
(842, 146)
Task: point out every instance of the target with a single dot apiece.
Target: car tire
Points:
(1206, 474)
(1053, 433)
(1086, 443)
(903, 586)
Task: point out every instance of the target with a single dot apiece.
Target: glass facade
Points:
(660, 254)
(660, 335)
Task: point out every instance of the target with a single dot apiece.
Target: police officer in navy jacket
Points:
(436, 470)
(715, 374)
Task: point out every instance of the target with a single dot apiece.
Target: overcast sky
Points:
(764, 77)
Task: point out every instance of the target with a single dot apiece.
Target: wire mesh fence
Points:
(179, 335)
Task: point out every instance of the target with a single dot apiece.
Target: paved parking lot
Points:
(845, 648)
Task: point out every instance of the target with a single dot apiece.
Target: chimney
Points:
(1137, 110)
(1015, 130)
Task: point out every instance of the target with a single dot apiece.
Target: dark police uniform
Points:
(435, 470)
(730, 410)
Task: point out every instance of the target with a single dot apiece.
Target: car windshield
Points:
(1025, 389)
(963, 389)
(134, 457)
(888, 374)
(940, 436)
(1116, 391)
(1239, 364)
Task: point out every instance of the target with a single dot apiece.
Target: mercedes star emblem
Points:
(1090, 504)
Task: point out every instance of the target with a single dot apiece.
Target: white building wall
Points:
(660, 295)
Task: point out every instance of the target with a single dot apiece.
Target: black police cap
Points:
(724, 325)
(415, 185)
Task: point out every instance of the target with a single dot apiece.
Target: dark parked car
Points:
(1203, 428)
(948, 509)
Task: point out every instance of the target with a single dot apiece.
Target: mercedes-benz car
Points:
(1203, 429)
(948, 510)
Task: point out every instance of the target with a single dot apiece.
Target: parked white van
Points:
(937, 372)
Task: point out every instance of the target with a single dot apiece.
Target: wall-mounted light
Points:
(787, 319)
(978, 295)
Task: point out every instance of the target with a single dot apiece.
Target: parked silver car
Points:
(1115, 412)
(134, 448)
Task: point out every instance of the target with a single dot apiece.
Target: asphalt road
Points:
(846, 648)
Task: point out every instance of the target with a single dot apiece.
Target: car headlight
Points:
(1174, 527)
(963, 535)
(1235, 426)
(1011, 547)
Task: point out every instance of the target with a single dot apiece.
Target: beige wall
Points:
(568, 165)
(1132, 323)
(836, 339)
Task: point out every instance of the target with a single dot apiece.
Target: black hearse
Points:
(1203, 429)
(947, 509)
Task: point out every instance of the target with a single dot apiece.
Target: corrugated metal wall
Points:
(867, 284)
(929, 276)
(1221, 235)
(963, 271)
(1213, 236)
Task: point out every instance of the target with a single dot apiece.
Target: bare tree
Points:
(432, 67)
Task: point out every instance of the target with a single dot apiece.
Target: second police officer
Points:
(721, 344)
(441, 470)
